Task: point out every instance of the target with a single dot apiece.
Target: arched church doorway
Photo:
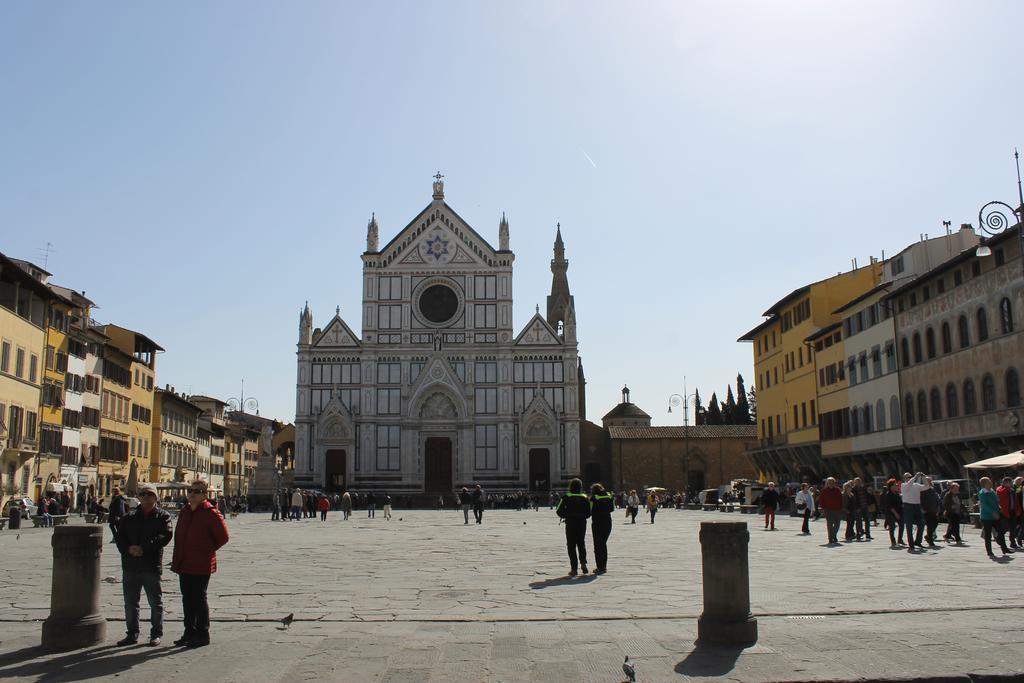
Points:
(437, 465)
(335, 474)
(540, 469)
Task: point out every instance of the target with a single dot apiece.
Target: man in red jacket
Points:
(831, 502)
(200, 531)
(1008, 509)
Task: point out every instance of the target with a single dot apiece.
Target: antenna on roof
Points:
(46, 251)
(1020, 193)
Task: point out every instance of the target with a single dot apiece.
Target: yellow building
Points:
(832, 388)
(141, 350)
(175, 438)
(784, 367)
(115, 417)
(25, 303)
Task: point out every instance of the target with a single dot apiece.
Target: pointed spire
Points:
(372, 234)
(560, 298)
(503, 233)
(337, 310)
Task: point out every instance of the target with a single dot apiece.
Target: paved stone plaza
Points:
(424, 598)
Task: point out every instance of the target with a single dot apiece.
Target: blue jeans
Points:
(133, 584)
(912, 516)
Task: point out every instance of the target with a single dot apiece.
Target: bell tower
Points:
(560, 300)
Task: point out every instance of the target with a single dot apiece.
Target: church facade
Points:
(440, 391)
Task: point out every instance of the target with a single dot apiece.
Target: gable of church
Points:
(537, 332)
(337, 334)
(437, 381)
(437, 237)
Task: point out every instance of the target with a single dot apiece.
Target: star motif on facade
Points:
(437, 247)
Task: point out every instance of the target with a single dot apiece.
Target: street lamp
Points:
(239, 405)
(993, 218)
(676, 400)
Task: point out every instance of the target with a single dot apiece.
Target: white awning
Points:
(1015, 459)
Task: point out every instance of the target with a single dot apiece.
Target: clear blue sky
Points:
(204, 168)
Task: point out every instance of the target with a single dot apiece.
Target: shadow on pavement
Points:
(559, 581)
(710, 660)
(106, 660)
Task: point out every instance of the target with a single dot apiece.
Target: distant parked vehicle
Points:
(29, 511)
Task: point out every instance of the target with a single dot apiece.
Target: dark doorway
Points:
(540, 469)
(592, 473)
(696, 480)
(437, 465)
(335, 470)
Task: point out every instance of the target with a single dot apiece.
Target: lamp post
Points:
(995, 218)
(676, 400)
(239, 405)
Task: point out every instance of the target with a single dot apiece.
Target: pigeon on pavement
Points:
(629, 669)
(287, 621)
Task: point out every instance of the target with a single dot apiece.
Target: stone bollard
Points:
(726, 619)
(75, 620)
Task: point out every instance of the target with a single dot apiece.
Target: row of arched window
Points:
(929, 348)
(865, 419)
(937, 404)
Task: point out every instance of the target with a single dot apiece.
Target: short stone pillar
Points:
(75, 620)
(726, 619)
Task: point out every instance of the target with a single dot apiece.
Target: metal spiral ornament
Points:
(994, 218)
(247, 404)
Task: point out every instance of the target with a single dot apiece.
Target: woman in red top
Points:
(324, 505)
(199, 533)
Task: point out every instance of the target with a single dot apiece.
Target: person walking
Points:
(118, 509)
(200, 532)
(478, 504)
(466, 501)
(930, 504)
(371, 505)
(805, 506)
(275, 508)
(1008, 510)
(602, 505)
(574, 508)
(324, 505)
(632, 505)
(850, 510)
(912, 515)
(387, 507)
(830, 502)
(893, 507)
(141, 537)
(863, 509)
(988, 507)
(652, 505)
(296, 504)
(346, 505)
(770, 501)
(953, 508)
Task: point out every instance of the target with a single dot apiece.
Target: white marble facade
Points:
(439, 391)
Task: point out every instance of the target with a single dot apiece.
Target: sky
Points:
(202, 169)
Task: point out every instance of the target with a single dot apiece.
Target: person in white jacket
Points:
(805, 501)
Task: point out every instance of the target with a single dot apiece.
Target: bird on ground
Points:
(629, 669)
(110, 579)
(18, 537)
(287, 621)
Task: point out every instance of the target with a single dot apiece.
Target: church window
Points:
(487, 447)
(438, 303)
(389, 317)
(486, 401)
(459, 368)
(389, 287)
(415, 368)
(485, 315)
(389, 401)
(388, 447)
(486, 373)
(389, 373)
(484, 287)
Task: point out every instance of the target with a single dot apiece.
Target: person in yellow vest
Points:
(574, 508)
(602, 505)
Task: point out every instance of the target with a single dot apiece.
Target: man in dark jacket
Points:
(118, 509)
(141, 537)
(602, 505)
(574, 508)
(200, 532)
(930, 504)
